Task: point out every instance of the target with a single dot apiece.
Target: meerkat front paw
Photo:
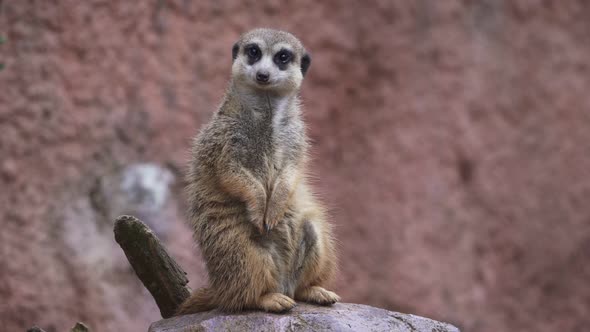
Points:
(257, 221)
(256, 215)
(276, 302)
(273, 216)
(317, 295)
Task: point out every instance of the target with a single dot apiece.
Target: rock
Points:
(305, 317)
(140, 189)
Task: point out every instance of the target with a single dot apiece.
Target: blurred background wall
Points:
(451, 143)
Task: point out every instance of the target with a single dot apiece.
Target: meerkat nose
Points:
(262, 77)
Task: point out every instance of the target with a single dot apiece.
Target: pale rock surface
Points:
(305, 317)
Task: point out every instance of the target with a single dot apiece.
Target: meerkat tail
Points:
(200, 300)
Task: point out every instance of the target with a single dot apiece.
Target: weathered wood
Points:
(158, 272)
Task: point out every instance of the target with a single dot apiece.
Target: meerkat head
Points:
(269, 60)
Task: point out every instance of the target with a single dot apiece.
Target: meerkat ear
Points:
(234, 51)
(305, 62)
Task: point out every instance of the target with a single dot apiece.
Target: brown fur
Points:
(262, 233)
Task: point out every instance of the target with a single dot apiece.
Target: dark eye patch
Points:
(253, 53)
(282, 58)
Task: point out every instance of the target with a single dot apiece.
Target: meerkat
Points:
(262, 233)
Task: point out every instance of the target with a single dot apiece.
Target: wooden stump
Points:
(158, 272)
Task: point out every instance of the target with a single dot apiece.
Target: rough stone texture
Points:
(451, 144)
(305, 317)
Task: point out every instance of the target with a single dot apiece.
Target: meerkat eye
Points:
(253, 53)
(282, 57)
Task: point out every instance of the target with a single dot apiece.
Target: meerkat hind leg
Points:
(246, 276)
(312, 271)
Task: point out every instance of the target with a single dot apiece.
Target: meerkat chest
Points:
(267, 136)
(272, 123)
(278, 126)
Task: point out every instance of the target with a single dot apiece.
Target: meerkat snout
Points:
(262, 77)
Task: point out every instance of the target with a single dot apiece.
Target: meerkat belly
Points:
(282, 244)
(303, 246)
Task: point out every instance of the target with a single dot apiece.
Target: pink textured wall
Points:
(452, 144)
